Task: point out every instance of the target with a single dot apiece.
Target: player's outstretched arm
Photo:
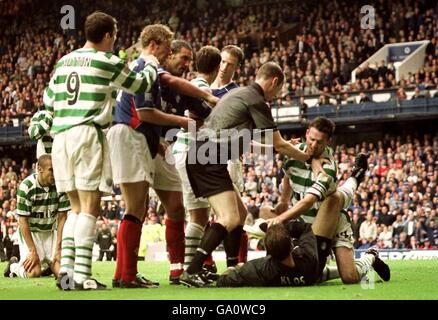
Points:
(160, 118)
(185, 87)
(135, 82)
(293, 213)
(62, 216)
(285, 148)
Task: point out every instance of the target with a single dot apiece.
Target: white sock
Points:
(84, 239)
(68, 245)
(193, 235)
(347, 190)
(329, 273)
(364, 264)
(18, 269)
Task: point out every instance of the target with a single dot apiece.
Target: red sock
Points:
(243, 251)
(209, 261)
(175, 243)
(121, 240)
(130, 257)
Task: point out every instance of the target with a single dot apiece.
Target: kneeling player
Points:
(42, 213)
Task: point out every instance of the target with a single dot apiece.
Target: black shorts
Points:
(208, 179)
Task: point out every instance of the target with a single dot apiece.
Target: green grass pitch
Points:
(409, 280)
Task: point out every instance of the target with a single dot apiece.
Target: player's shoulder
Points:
(28, 183)
(329, 154)
(201, 83)
(162, 70)
(109, 57)
(232, 85)
(137, 64)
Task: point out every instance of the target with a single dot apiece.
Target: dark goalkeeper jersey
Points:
(268, 272)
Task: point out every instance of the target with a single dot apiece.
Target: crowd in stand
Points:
(317, 44)
(395, 207)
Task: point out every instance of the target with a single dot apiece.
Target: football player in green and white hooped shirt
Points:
(208, 59)
(309, 192)
(39, 130)
(42, 213)
(81, 94)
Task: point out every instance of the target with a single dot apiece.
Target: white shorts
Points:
(45, 244)
(81, 161)
(166, 177)
(344, 233)
(131, 160)
(190, 201)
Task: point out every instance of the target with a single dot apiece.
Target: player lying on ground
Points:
(350, 270)
(296, 256)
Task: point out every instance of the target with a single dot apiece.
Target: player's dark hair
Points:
(324, 125)
(235, 51)
(270, 70)
(155, 32)
(278, 242)
(43, 159)
(208, 59)
(97, 25)
(177, 45)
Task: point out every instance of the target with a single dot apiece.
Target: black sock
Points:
(212, 238)
(232, 246)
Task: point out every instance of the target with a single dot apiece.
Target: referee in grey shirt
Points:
(242, 108)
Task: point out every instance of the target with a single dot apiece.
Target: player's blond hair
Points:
(158, 33)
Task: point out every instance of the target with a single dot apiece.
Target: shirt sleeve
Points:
(40, 125)
(150, 100)
(24, 203)
(49, 94)
(134, 82)
(64, 203)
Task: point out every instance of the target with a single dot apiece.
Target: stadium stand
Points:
(317, 46)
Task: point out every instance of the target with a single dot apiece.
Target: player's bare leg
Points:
(17, 269)
(324, 227)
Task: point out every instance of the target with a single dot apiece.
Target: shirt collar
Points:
(258, 89)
